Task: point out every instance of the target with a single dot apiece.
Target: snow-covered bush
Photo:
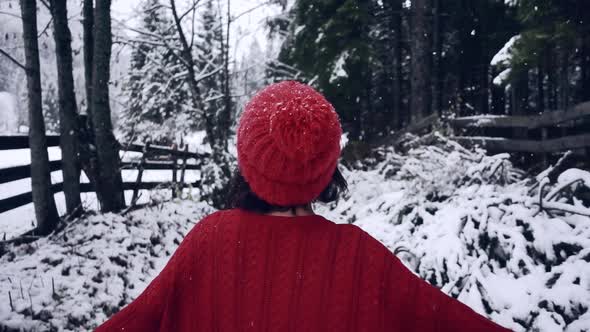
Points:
(74, 280)
(472, 225)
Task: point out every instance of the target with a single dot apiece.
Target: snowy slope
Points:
(74, 281)
(466, 222)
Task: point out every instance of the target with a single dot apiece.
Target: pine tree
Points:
(50, 108)
(554, 41)
(157, 101)
(386, 35)
(329, 43)
(211, 59)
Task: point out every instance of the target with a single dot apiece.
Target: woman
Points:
(270, 263)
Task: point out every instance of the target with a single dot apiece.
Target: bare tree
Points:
(67, 106)
(187, 58)
(109, 183)
(217, 136)
(45, 209)
(216, 123)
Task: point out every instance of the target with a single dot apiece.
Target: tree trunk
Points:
(585, 84)
(88, 22)
(485, 58)
(421, 66)
(45, 210)
(437, 61)
(396, 19)
(67, 107)
(520, 98)
(564, 93)
(109, 182)
(224, 118)
(498, 96)
(551, 79)
(540, 88)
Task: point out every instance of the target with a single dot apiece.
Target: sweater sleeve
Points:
(429, 309)
(146, 311)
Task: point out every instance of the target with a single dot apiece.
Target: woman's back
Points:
(241, 271)
(245, 271)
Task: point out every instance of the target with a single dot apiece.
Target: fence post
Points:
(183, 169)
(174, 167)
(140, 173)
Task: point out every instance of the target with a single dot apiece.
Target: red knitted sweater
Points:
(240, 271)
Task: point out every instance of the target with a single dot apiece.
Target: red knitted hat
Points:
(288, 143)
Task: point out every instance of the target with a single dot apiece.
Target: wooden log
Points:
(513, 145)
(545, 119)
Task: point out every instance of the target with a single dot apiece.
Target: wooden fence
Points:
(153, 158)
(557, 121)
(550, 120)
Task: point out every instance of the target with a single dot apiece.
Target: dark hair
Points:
(240, 196)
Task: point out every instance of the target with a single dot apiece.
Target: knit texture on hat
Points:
(288, 143)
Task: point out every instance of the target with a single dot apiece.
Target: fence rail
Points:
(499, 144)
(544, 121)
(170, 162)
(22, 142)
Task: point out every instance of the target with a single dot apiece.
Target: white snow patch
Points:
(339, 71)
(501, 78)
(504, 56)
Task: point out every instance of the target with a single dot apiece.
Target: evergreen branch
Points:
(15, 61)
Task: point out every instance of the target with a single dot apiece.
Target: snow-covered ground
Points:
(75, 280)
(466, 222)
